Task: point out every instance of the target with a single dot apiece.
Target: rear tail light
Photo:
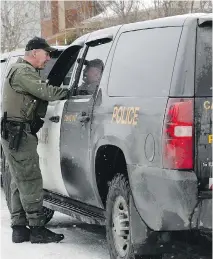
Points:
(178, 134)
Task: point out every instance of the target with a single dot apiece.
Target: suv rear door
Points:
(203, 105)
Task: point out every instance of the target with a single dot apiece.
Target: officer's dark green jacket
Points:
(25, 94)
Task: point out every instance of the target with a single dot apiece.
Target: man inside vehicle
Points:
(91, 77)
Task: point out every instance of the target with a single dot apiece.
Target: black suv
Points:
(132, 146)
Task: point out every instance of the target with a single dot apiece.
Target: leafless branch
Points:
(19, 21)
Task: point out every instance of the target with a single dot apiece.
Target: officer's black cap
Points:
(39, 43)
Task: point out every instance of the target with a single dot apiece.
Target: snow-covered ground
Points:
(81, 241)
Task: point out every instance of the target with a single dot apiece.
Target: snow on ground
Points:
(81, 241)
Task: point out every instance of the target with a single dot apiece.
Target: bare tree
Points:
(126, 11)
(85, 10)
(192, 6)
(205, 5)
(19, 21)
(157, 8)
(167, 7)
(182, 7)
(164, 8)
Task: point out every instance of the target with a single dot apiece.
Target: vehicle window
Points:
(49, 65)
(203, 83)
(72, 72)
(143, 62)
(68, 76)
(45, 72)
(62, 71)
(92, 70)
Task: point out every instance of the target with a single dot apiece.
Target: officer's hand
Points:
(67, 95)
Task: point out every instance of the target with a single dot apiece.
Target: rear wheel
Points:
(6, 180)
(118, 221)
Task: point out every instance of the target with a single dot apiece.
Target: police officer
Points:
(24, 103)
(91, 77)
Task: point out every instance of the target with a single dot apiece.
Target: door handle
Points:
(83, 118)
(54, 119)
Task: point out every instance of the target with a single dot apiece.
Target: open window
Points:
(91, 65)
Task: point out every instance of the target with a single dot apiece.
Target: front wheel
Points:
(118, 229)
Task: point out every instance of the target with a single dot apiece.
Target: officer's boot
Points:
(20, 234)
(44, 235)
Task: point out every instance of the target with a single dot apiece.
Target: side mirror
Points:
(3, 60)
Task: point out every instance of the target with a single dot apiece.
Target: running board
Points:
(77, 210)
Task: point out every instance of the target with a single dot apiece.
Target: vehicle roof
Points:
(20, 52)
(5, 55)
(60, 47)
(80, 39)
(110, 30)
(177, 20)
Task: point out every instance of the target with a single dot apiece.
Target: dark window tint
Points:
(203, 86)
(49, 65)
(143, 62)
(45, 72)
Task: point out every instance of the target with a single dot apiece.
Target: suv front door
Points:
(76, 127)
(49, 135)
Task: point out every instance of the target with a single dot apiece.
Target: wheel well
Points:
(109, 161)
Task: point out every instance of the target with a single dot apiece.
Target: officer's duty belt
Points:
(11, 124)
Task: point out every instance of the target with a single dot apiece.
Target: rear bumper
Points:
(189, 245)
(194, 243)
(202, 218)
(167, 200)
